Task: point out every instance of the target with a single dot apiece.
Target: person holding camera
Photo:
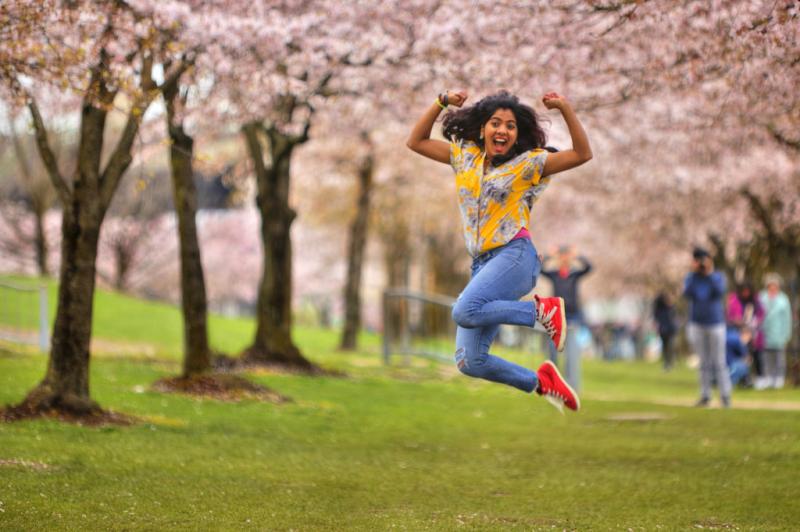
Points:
(705, 289)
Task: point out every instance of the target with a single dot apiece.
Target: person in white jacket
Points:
(777, 327)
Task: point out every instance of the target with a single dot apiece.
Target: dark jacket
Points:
(567, 287)
(664, 314)
(705, 293)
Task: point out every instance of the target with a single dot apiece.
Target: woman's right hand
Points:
(456, 98)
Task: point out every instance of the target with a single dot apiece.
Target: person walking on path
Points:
(666, 323)
(777, 328)
(705, 290)
(496, 149)
(565, 285)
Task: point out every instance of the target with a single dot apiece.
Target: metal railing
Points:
(420, 324)
(17, 323)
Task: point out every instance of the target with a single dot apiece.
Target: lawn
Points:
(415, 448)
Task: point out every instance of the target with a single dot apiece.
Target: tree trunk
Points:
(66, 384)
(794, 343)
(196, 357)
(65, 388)
(442, 275)
(273, 343)
(355, 253)
(40, 196)
(40, 241)
(396, 238)
(123, 259)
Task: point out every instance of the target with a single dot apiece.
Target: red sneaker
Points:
(550, 313)
(555, 389)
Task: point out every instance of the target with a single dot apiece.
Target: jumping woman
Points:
(497, 150)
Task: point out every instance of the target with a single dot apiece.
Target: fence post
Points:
(44, 328)
(386, 332)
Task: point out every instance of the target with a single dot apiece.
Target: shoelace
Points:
(553, 399)
(547, 319)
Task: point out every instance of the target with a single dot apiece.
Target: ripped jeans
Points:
(499, 278)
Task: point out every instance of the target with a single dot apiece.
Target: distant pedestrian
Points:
(565, 279)
(736, 354)
(664, 316)
(777, 332)
(705, 289)
(746, 312)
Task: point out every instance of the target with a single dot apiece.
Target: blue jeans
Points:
(709, 343)
(738, 371)
(499, 278)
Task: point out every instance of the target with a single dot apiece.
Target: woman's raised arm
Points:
(420, 138)
(581, 151)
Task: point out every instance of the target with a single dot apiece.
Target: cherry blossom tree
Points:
(304, 54)
(691, 106)
(105, 53)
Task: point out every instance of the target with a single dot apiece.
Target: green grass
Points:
(412, 448)
(133, 322)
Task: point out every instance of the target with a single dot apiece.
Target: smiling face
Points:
(499, 133)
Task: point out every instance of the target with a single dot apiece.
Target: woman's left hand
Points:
(553, 100)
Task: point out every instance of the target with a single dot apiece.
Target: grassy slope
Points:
(130, 321)
(415, 448)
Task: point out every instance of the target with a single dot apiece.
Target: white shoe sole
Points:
(563, 340)
(553, 400)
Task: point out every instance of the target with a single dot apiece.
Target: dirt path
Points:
(100, 347)
(739, 404)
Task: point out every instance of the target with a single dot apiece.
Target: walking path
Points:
(740, 404)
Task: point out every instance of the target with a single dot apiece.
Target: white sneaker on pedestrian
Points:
(761, 383)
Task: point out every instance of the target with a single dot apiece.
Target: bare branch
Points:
(250, 132)
(781, 139)
(612, 7)
(22, 159)
(121, 158)
(623, 18)
(303, 137)
(47, 155)
(174, 73)
(761, 212)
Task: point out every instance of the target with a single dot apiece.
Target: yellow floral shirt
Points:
(496, 206)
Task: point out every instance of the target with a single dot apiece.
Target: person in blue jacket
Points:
(705, 288)
(736, 354)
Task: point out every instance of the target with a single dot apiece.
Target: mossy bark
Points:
(273, 344)
(196, 356)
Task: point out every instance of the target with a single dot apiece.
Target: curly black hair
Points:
(466, 123)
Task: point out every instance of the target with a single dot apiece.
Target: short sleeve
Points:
(457, 155)
(533, 166)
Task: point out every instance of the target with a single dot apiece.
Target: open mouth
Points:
(500, 143)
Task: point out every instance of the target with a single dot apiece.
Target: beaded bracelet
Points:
(439, 103)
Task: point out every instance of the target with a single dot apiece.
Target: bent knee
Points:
(464, 315)
(470, 366)
(462, 362)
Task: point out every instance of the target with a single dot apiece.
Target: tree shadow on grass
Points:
(219, 386)
(96, 417)
(226, 364)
